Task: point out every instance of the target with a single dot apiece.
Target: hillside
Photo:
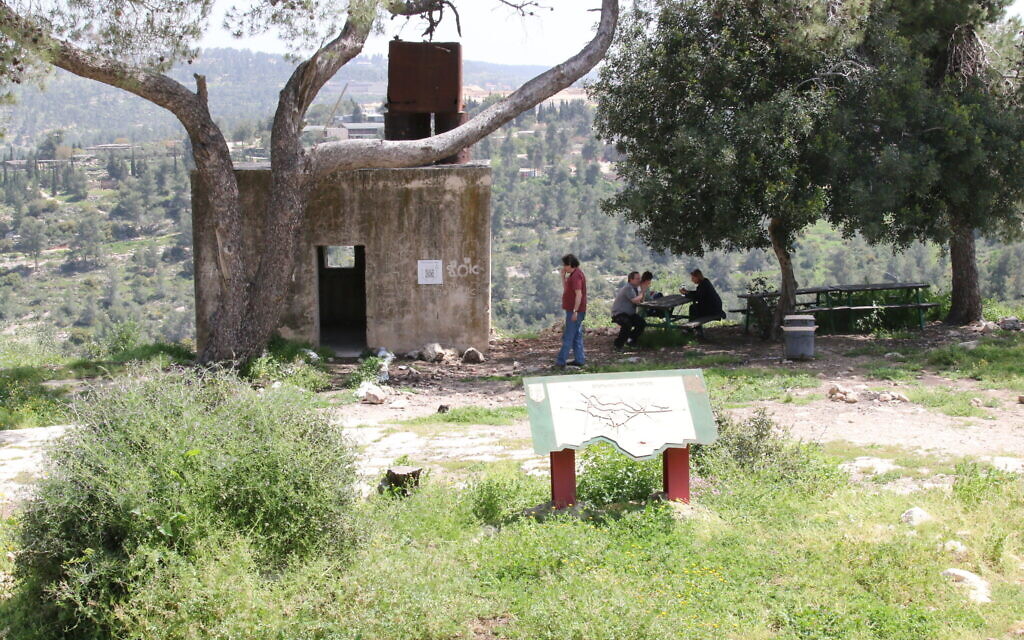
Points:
(243, 88)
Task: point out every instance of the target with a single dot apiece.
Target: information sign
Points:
(641, 413)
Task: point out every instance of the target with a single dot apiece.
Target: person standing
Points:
(574, 304)
(624, 314)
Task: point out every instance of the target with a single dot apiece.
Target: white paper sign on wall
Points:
(430, 272)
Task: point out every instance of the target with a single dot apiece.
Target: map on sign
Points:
(641, 413)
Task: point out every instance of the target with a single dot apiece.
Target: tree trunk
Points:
(965, 306)
(787, 292)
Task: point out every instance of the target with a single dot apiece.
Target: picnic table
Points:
(670, 319)
(838, 299)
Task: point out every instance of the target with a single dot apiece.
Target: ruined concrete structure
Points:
(357, 279)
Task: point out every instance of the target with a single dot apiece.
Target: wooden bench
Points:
(696, 326)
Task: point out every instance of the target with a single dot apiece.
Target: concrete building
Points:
(393, 258)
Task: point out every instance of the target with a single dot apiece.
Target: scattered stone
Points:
(1011, 323)
(1008, 464)
(989, 327)
(400, 403)
(311, 356)
(970, 345)
(894, 355)
(868, 464)
(915, 516)
(400, 480)
(868, 396)
(899, 397)
(851, 400)
(473, 356)
(979, 590)
(432, 352)
(632, 359)
(412, 355)
(885, 397)
(955, 547)
(369, 393)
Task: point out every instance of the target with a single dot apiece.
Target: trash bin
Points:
(798, 321)
(798, 342)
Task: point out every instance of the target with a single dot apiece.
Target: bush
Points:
(286, 361)
(368, 370)
(608, 476)
(498, 497)
(166, 464)
(759, 447)
(974, 485)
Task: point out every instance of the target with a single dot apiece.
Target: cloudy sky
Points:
(490, 32)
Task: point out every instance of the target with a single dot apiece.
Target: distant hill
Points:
(243, 85)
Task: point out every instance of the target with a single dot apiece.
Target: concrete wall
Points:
(401, 216)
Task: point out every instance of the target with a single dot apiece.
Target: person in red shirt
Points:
(574, 303)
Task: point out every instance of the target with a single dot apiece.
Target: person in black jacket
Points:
(706, 301)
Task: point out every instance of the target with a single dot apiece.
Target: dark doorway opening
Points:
(342, 290)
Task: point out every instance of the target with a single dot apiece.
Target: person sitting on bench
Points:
(624, 314)
(706, 301)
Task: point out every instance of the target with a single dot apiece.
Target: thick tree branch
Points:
(356, 154)
(154, 87)
(310, 76)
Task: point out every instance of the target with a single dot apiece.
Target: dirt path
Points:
(420, 389)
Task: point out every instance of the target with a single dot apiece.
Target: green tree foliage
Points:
(33, 238)
(926, 140)
(715, 106)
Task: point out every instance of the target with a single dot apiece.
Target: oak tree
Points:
(927, 139)
(715, 105)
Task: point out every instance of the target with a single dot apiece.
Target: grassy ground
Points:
(995, 361)
(759, 560)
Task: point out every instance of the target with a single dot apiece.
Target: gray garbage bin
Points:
(798, 321)
(798, 337)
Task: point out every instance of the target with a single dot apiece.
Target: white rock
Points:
(915, 516)
(976, 402)
(989, 327)
(400, 402)
(472, 356)
(869, 464)
(970, 345)
(979, 590)
(1005, 463)
(885, 397)
(370, 393)
(894, 355)
(954, 546)
(900, 397)
(432, 352)
(851, 399)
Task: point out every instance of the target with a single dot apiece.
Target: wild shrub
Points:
(368, 370)
(162, 464)
(760, 447)
(499, 496)
(608, 476)
(288, 361)
(974, 484)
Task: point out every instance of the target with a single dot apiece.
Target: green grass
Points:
(499, 416)
(951, 403)
(778, 547)
(996, 361)
(901, 371)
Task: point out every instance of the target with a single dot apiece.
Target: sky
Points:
(490, 31)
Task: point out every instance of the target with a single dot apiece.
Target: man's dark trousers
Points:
(630, 327)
